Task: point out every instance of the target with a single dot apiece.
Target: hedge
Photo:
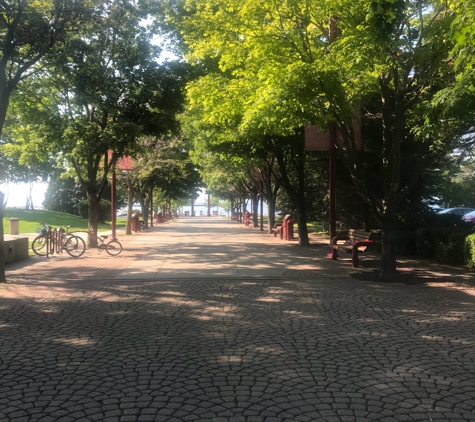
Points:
(447, 245)
(469, 251)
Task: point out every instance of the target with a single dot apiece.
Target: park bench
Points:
(277, 229)
(356, 241)
(247, 220)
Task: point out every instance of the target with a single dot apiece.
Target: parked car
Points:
(469, 217)
(436, 208)
(461, 211)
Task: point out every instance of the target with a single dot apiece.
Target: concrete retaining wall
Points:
(16, 248)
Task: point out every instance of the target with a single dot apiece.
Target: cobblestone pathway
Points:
(236, 350)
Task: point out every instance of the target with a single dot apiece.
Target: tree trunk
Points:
(3, 277)
(145, 212)
(389, 245)
(4, 100)
(302, 221)
(151, 207)
(255, 209)
(271, 214)
(244, 209)
(93, 222)
(271, 195)
(130, 205)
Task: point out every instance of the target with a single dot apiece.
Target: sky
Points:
(17, 193)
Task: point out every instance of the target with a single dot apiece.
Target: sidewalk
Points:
(203, 247)
(207, 320)
(197, 247)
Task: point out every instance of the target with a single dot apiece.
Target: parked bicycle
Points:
(112, 247)
(55, 240)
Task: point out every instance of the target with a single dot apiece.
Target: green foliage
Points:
(449, 247)
(63, 195)
(457, 185)
(164, 163)
(384, 17)
(446, 245)
(425, 241)
(405, 243)
(469, 251)
(104, 212)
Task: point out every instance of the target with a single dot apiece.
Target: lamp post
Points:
(113, 204)
(333, 33)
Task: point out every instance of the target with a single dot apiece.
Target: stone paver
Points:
(241, 348)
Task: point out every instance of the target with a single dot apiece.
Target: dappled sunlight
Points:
(429, 337)
(51, 310)
(469, 290)
(230, 359)
(300, 314)
(279, 290)
(82, 342)
(177, 301)
(172, 293)
(268, 299)
(437, 318)
(217, 312)
(214, 335)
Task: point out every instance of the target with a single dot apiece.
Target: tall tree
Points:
(305, 66)
(108, 91)
(28, 31)
(164, 163)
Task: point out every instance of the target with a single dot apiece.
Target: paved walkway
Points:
(205, 320)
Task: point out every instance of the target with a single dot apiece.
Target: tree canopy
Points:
(278, 65)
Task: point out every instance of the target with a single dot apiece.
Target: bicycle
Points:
(113, 247)
(56, 240)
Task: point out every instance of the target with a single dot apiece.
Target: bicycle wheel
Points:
(75, 246)
(114, 248)
(64, 239)
(39, 245)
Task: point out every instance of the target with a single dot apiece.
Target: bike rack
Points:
(54, 241)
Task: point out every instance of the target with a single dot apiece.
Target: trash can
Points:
(284, 230)
(290, 228)
(158, 218)
(135, 226)
(14, 226)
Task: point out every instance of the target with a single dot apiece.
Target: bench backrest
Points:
(356, 235)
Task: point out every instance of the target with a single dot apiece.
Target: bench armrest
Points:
(335, 240)
(364, 243)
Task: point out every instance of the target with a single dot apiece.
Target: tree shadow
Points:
(204, 349)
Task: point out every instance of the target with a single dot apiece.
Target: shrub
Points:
(425, 240)
(445, 244)
(469, 251)
(405, 243)
(449, 249)
(104, 210)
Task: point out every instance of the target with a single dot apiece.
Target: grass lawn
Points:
(29, 219)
